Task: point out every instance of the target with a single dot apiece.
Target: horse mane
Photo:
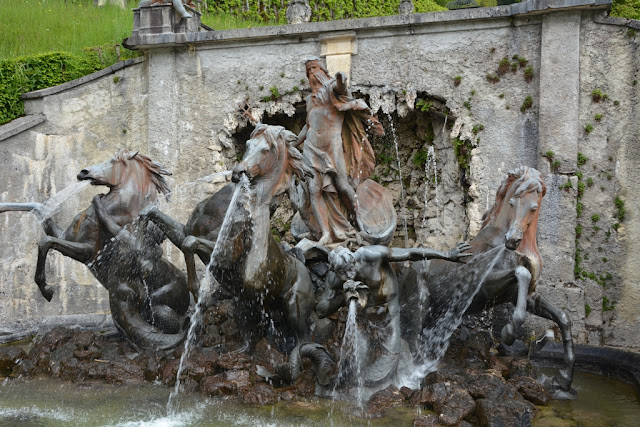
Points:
(525, 179)
(155, 170)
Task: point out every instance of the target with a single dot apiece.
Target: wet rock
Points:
(305, 385)
(488, 385)
(531, 390)
(469, 347)
(407, 392)
(383, 399)
(9, 357)
(87, 354)
(217, 386)
(169, 371)
(520, 368)
(266, 354)
(241, 379)
(450, 401)
(428, 420)
(124, 372)
(504, 412)
(152, 365)
(233, 361)
(496, 364)
(286, 396)
(260, 394)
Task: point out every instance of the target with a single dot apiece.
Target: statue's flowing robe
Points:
(357, 151)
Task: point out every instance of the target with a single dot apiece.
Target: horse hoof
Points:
(47, 292)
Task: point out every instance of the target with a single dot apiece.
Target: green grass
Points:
(36, 26)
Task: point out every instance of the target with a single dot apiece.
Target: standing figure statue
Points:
(366, 275)
(337, 149)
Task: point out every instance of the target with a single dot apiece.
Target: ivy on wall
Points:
(33, 72)
(274, 11)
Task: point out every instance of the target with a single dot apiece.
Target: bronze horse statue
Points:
(505, 267)
(251, 266)
(148, 296)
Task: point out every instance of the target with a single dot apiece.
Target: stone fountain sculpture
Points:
(411, 310)
(148, 296)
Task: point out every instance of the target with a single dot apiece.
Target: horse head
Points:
(516, 209)
(270, 161)
(134, 178)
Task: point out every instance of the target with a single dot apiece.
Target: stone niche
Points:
(426, 166)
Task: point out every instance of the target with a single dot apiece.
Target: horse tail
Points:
(137, 331)
(321, 361)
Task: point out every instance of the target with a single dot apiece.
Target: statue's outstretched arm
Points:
(341, 83)
(417, 254)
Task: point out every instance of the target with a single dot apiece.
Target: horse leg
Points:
(190, 246)
(79, 251)
(169, 226)
(539, 306)
(523, 276)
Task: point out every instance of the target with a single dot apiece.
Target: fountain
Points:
(340, 315)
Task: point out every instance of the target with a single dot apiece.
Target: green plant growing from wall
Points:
(504, 65)
(620, 210)
(477, 128)
(526, 104)
(595, 218)
(424, 105)
(597, 117)
(493, 78)
(597, 95)
(588, 128)
(607, 305)
(528, 73)
(582, 159)
(420, 158)
(462, 150)
(587, 310)
(457, 80)
(589, 182)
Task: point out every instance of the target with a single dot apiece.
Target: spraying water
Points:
(404, 205)
(350, 357)
(429, 165)
(52, 205)
(205, 285)
(446, 312)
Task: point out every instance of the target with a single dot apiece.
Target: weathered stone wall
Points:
(187, 104)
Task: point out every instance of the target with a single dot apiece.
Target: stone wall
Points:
(435, 81)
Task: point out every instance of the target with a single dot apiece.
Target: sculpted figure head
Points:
(343, 263)
(316, 72)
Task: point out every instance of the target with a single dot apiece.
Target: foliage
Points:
(528, 73)
(526, 104)
(31, 27)
(424, 105)
(274, 11)
(457, 80)
(626, 9)
(588, 128)
(462, 150)
(420, 158)
(582, 159)
(587, 310)
(620, 211)
(33, 72)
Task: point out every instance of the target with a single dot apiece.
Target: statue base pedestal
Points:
(161, 19)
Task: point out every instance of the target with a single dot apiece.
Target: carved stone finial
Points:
(298, 12)
(406, 7)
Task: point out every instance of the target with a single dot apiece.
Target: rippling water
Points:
(50, 402)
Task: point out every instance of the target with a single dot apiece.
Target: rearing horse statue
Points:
(505, 267)
(255, 268)
(148, 296)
